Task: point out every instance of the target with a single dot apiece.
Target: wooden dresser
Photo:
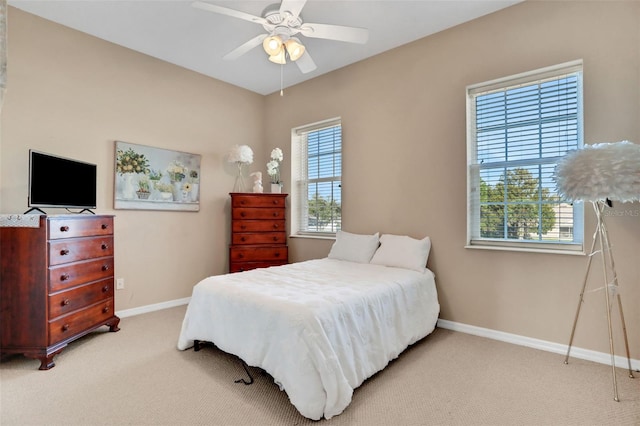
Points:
(56, 284)
(258, 235)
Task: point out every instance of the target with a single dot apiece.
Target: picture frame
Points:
(149, 178)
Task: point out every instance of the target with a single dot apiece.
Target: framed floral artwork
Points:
(148, 178)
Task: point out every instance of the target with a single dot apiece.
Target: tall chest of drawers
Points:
(56, 284)
(258, 235)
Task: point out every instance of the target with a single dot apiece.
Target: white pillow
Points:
(354, 247)
(402, 251)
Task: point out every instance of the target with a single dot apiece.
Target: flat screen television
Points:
(56, 181)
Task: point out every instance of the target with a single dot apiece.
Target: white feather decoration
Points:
(240, 154)
(600, 171)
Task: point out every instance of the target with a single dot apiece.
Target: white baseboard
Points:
(586, 354)
(151, 308)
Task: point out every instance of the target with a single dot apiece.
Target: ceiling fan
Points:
(282, 23)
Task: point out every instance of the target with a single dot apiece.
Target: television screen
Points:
(61, 182)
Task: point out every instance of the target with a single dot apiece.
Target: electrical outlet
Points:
(119, 283)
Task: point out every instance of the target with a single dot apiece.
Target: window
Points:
(518, 129)
(317, 173)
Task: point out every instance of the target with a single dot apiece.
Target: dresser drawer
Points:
(259, 238)
(73, 274)
(247, 266)
(67, 326)
(253, 253)
(72, 250)
(264, 200)
(79, 297)
(79, 227)
(262, 214)
(257, 225)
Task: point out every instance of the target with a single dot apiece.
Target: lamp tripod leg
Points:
(603, 238)
(612, 265)
(626, 340)
(581, 298)
(607, 256)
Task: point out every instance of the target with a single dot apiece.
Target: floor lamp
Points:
(598, 174)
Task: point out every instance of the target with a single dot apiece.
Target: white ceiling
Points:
(176, 32)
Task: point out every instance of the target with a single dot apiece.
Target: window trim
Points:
(296, 186)
(522, 79)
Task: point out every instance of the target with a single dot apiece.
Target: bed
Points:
(319, 327)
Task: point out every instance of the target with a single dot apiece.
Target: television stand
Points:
(32, 209)
(86, 210)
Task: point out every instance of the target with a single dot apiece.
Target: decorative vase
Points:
(177, 191)
(276, 188)
(195, 187)
(128, 188)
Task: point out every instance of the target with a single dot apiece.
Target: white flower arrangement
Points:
(273, 166)
(177, 171)
(240, 154)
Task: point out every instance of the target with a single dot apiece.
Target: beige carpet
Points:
(138, 377)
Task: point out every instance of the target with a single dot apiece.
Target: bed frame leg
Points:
(196, 345)
(246, 369)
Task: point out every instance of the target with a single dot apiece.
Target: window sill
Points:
(314, 237)
(526, 249)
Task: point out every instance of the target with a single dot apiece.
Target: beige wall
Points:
(404, 164)
(74, 95)
(403, 118)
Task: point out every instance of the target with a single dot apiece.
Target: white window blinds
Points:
(518, 130)
(317, 196)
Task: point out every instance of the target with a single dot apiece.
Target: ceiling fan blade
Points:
(229, 12)
(335, 32)
(292, 6)
(241, 50)
(305, 63)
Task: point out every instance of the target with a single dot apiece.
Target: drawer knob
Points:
(105, 267)
(65, 302)
(243, 226)
(240, 255)
(242, 214)
(275, 238)
(104, 246)
(65, 327)
(64, 228)
(275, 214)
(105, 289)
(243, 239)
(275, 226)
(105, 226)
(64, 252)
(64, 277)
(277, 254)
(275, 202)
(105, 309)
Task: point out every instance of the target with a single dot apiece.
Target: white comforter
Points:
(319, 327)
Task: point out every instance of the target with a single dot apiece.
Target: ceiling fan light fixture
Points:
(272, 45)
(278, 58)
(295, 49)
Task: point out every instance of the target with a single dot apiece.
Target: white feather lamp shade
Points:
(600, 171)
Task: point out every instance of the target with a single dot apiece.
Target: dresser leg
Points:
(46, 362)
(46, 358)
(113, 324)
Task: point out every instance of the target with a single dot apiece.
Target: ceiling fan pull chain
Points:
(281, 80)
